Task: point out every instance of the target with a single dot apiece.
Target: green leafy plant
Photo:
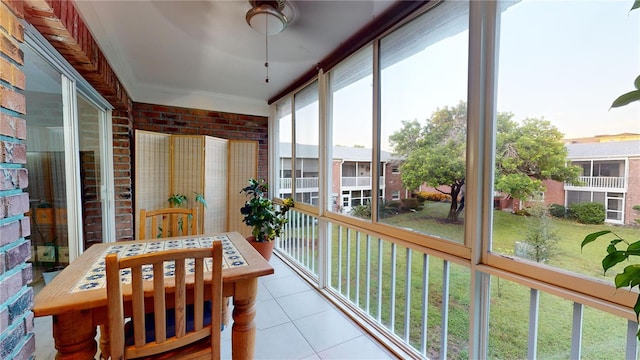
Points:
(557, 210)
(261, 213)
(630, 275)
(540, 236)
(587, 212)
(628, 98)
(178, 200)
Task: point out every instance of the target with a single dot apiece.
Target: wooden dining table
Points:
(77, 297)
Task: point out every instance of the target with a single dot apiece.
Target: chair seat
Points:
(171, 325)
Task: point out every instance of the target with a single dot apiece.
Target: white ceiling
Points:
(202, 54)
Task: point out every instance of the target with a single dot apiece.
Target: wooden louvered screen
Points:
(189, 164)
(243, 165)
(215, 185)
(152, 172)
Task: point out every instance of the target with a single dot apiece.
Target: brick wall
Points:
(122, 128)
(16, 319)
(184, 121)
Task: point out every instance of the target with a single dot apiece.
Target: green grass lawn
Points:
(509, 301)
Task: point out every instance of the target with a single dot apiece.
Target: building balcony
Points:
(359, 182)
(311, 183)
(304, 183)
(600, 182)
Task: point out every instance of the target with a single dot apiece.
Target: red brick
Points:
(10, 286)
(25, 227)
(27, 272)
(11, 74)
(4, 317)
(17, 255)
(17, 204)
(13, 153)
(10, 48)
(10, 233)
(13, 126)
(12, 100)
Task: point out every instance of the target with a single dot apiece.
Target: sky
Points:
(565, 61)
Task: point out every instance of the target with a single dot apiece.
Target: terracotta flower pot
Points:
(265, 248)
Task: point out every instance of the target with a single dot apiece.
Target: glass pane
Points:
(424, 114)
(283, 118)
(46, 165)
(92, 184)
(556, 85)
(307, 141)
(351, 116)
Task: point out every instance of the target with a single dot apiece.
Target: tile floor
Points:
(293, 322)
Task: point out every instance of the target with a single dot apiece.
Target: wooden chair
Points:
(173, 324)
(169, 222)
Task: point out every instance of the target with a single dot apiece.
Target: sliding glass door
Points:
(69, 162)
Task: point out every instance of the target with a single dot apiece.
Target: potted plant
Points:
(260, 213)
(180, 200)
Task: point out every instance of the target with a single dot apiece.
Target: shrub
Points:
(557, 210)
(410, 204)
(521, 212)
(587, 212)
(429, 196)
(361, 211)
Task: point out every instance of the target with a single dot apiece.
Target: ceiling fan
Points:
(270, 17)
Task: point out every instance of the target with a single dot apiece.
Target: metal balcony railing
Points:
(312, 182)
(412, 297)
(301, 183)
(359, 181)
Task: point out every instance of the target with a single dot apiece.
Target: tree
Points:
(540, 236)
(525, 154)
(528, 154)
(435, 153)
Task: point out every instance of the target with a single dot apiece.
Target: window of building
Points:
(395, 195)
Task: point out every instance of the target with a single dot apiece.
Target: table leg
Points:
(74, 335)
(243, 332)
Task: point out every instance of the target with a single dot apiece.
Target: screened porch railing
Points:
(421, 301)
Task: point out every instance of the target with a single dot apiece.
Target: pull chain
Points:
(266, 47)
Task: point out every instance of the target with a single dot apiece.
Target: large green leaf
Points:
(634, 246)
(593, 236)
(628, 276)
(613, 259)
(636, 83)
(636, 5)
(626, 99)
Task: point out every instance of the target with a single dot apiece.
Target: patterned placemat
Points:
(95, 277)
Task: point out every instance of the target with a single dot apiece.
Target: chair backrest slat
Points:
(168, 222)
(188, 288)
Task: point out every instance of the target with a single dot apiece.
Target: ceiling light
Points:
(267, 17)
